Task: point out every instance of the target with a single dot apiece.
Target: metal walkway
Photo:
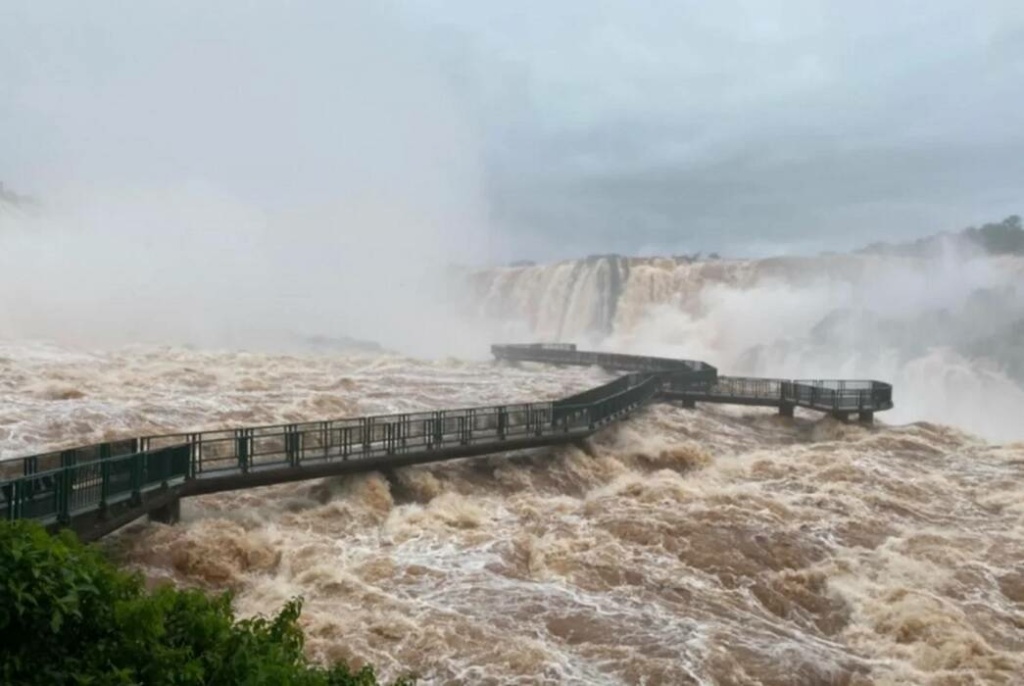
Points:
(840, 398)
(98, 488)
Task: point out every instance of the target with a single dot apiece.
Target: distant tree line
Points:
(994, 238)
(1004, 238)
(998, 238)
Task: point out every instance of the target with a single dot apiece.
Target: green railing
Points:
(566, 353)
(822, 395)
(699, 380)
(57, 494)
(598, 406)
(56, 486)
(840, 395)
(92, 477)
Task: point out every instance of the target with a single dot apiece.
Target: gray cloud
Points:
(745, 126)
(740, 125)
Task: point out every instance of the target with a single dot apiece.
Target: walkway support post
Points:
(786, 409)
(866, 417)
(169, 513)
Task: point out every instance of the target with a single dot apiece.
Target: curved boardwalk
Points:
(841, 398)
(98, 488)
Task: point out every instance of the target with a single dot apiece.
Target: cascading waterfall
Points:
(564, 300)
(848, 315)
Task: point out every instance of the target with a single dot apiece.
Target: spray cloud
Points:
(244, 177)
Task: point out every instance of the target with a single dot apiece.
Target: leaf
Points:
(56, 621)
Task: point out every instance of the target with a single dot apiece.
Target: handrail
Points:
(534, 352)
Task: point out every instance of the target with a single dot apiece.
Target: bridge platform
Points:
(839, 398)
(98, 488)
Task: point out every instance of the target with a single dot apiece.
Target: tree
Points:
(1006, 237)
(68, 616)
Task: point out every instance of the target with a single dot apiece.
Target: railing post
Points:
(242, 449)
(502, 421)
(12, 491)
(65, 486)
(325, 441)
(195, 452)
(163, 459)
(104, 484)
(136, 477)
(291, 445)
(367, 435)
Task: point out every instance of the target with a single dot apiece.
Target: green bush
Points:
(68, 616)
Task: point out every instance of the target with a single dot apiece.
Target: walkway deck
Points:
(99, 488)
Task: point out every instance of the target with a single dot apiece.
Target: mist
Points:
(916, 325)
(247, 176)
(945, 330)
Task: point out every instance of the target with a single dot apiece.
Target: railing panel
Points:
(119, 483)
(166, 465)
(86, 486)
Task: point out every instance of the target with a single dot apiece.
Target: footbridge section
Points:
(702, 383)
(96, 489)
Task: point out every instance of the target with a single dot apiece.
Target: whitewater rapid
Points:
(709, 546)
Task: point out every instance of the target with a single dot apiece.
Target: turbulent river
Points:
(709, 546)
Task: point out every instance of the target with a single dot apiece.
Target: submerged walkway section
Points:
(98, 488)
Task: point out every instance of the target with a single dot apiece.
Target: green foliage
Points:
(68, 616)
(995, 238)
(1004, 238)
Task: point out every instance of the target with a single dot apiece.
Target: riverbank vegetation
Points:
(69, 616)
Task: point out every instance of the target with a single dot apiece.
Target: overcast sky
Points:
(566, 128)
